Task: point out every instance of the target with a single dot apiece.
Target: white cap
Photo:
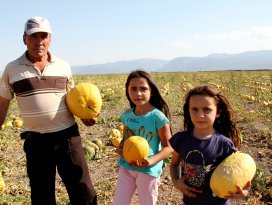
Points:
(37, 24)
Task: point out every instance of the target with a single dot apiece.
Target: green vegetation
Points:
(250, 93)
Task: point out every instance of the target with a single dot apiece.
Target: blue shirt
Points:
(198, 160)
(146, 126)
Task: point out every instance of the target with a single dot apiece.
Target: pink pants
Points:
(128, 181)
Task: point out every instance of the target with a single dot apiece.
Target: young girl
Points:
(209, 136)
(148, 117)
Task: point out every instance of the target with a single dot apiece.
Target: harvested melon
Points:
(236, 170)
(84, 101)
(116, 137)
(121, 127)
(116, 141)
(2, 183)
(135, 148)
(115, 133)
(91, 144)
(90, 150)
(98, 142)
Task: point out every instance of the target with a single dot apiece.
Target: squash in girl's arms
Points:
(236, 170)
(135, 148)
(84, 101)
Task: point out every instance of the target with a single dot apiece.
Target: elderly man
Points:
(40, 82)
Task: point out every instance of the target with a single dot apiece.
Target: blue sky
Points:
(102, 31)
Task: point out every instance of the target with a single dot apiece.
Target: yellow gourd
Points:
(121, 127)
(84, 101)
(116, 137)
(135, 148)
(236, 169)
(116, 141)
(115, 133)
(2, 183)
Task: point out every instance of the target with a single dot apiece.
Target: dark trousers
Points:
(61, 150)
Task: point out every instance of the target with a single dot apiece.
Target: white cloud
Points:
(180, 44)
(233, 35)
(254, 34)
(167, 54)
(173, 50)
(262, 33)
(197, 36)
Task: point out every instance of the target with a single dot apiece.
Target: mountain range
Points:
(250, 60)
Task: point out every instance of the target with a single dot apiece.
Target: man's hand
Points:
(89, 122)
(4, 105)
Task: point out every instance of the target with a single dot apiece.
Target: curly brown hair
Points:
(224, 124)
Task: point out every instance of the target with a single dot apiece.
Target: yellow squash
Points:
(115, 133)
(116, 141)
(236, 170)
(84, 101)
(135, 148)
(2, 183)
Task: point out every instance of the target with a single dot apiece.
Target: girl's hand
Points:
(145, 163)
(177, 179)
(182, 187)
(242, 192)
(89, 122)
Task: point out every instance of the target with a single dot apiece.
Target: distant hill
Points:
(120, 66)
(250, 60)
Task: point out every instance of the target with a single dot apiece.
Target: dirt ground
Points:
(257, 136)
(104, 171)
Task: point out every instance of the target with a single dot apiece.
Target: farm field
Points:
(250, 94)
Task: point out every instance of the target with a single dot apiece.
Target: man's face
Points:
(37, 44)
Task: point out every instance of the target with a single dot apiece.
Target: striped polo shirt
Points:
(40, 96)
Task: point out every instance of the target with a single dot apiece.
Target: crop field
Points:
(249, 92)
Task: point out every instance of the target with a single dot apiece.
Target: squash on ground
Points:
(116, 141)
(98, 142)
(2, 183)
(90, 150)
(115, 133)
